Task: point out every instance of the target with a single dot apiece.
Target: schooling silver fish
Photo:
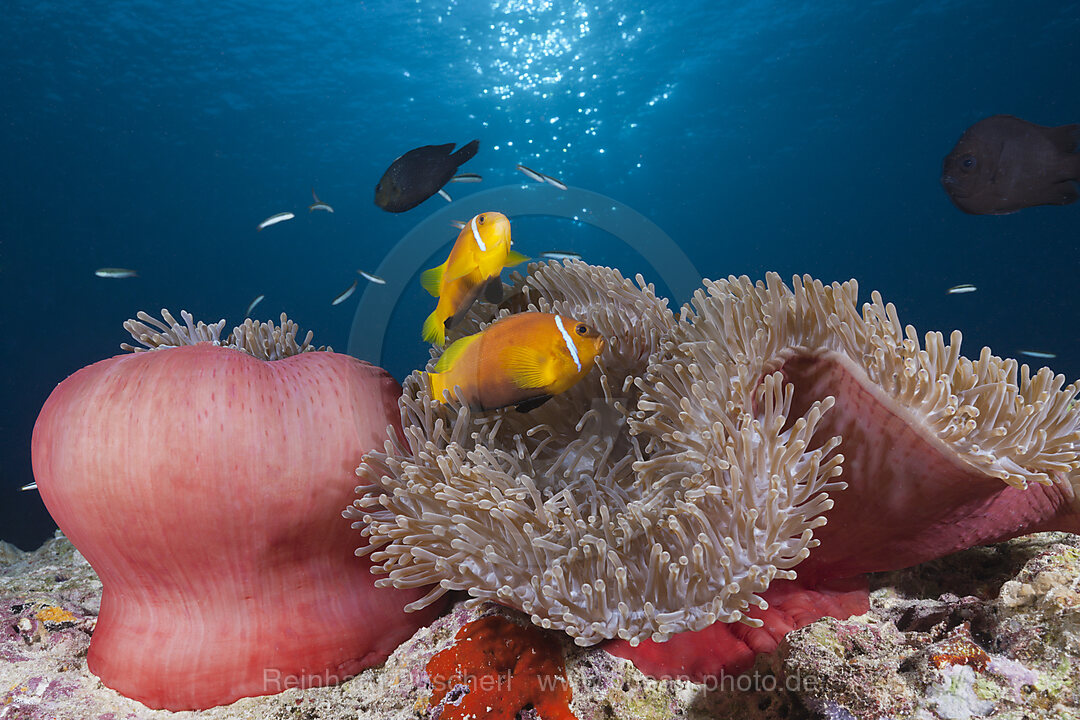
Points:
(541, 177)
(372, 278)
(531, 174)
(552, 181)
(111, 272)
(275, 219)
(318, 204)
(560, 255)
(251, 307)
(345, 295)
(960, 289)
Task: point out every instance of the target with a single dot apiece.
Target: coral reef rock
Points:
(992, 632)
(954, 639)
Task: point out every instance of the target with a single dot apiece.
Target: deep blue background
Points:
(766, 135)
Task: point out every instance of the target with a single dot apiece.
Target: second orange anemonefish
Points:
(521, 360)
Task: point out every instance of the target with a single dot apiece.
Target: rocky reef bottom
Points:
(992, 632)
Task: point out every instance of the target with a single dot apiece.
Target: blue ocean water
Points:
(800, 137)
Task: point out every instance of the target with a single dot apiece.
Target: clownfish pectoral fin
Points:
(527, 367)
(451, 354)
(434, 330)
(464, 265)
(493, 290)
(515, 258)
(431, 280)
(532, 404)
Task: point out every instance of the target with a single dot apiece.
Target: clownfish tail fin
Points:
(434, 330)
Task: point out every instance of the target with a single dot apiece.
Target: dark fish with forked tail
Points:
(1002, 164)
(419, 174)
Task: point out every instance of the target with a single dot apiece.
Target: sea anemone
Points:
(203, 480)
(701, 463)
(929, 436)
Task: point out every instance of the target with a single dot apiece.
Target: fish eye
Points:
(581, 329)
(480, 219)
(968, 162)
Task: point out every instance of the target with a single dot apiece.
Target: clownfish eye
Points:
(480, 219)
(581, 329)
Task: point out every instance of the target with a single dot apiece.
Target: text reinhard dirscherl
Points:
(275, 681)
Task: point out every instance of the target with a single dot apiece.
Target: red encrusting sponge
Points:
(497, 668)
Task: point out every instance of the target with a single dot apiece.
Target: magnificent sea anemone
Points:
(203, 480)
(697, 475)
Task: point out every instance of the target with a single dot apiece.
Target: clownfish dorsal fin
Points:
(431, 280)
(451, 354)
(527, 367)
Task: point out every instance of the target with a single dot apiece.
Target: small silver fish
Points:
(1039, 355)
(531, 174)
(111, 272)
(251, 307)
(275, 219)
(318, 204)
(541, 177)
(560, 255)
(959, 289)
(459, 224)
(445, 195)
(345, 295)
(552, 181)
(466, 178)
(373, 278)
(29, 486)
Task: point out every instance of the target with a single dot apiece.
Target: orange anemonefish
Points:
(520, 360)
(481, 251)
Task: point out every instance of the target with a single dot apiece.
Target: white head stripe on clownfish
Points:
(476, 234)
(569, 342)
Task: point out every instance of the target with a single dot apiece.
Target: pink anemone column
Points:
(206, 487)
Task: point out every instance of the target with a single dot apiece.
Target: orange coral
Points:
(495, 669)
(55, 615)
